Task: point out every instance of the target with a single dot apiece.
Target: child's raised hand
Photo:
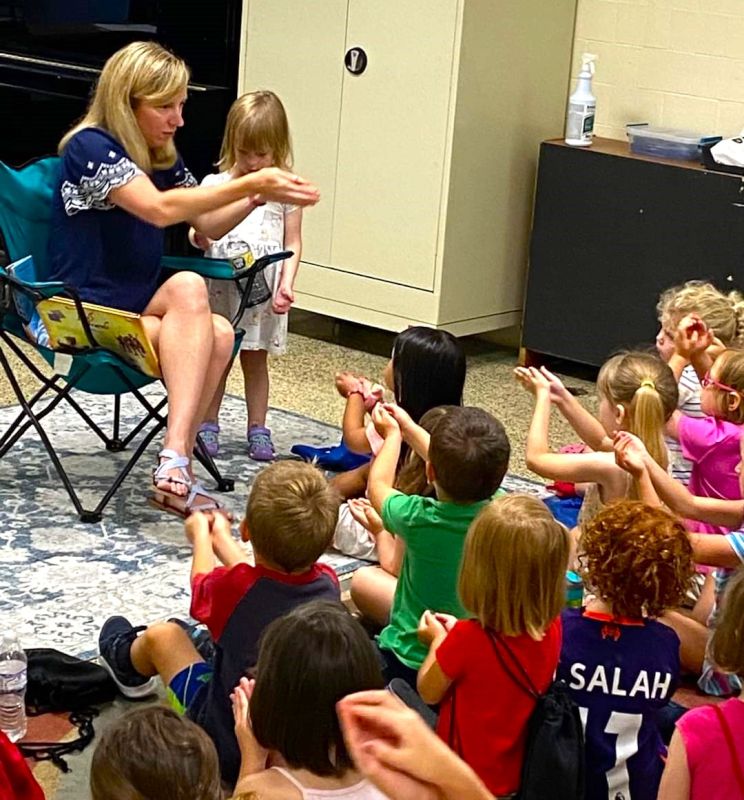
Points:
(558, 392)
(692, 336)
(400, 415)
(364, 513)
(448, 620)
(347, 383)
(430, 627)
(384, 422)
(630, 453)
(253, 756)
(532, 379)
(220, 526)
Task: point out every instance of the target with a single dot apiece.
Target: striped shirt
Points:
(688, 404)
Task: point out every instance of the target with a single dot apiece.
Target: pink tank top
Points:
(363, 790)
(709, 757)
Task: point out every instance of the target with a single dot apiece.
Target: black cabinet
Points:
(611, 230)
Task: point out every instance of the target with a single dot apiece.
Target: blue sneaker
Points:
(114, 646)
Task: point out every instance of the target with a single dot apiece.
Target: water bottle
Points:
(13, 676)
(574, 589)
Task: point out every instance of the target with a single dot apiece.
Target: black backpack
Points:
(59, 682)
(553, 764)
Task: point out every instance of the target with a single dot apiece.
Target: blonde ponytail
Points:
(646, 388)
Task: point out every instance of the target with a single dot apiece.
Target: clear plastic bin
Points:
(650, 140)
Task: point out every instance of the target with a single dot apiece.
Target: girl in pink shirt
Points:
(706, 755)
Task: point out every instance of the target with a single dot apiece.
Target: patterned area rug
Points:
(61, 578)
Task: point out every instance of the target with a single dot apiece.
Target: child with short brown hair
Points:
(512, 581)
(235, 601)
(620, 662)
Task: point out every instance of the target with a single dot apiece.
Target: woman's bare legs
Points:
(372, 590)
(194, 347)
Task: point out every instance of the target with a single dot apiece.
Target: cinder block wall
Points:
(678, 63)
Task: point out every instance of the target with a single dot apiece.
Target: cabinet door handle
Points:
(355, 60)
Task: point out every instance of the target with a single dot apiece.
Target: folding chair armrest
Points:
(206, 267)
(221, 269)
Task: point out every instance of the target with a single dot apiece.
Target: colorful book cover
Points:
(121, 332)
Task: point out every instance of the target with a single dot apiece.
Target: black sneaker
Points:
(114, 644)
(200, 638)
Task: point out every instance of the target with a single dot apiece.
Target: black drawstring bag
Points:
(58, 682)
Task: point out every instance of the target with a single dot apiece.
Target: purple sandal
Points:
(260, 446)
(209, 433)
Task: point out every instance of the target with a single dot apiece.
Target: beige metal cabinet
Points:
(426, 159)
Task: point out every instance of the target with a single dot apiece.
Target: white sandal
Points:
(180, 505)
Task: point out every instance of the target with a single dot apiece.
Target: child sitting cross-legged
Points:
(466, 459)
(290, 517)
(620, 662)
(512, 581)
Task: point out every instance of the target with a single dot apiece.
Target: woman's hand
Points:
(284, 187)
(200, 240)
(431, 627)
(630, 453)
(533, 380)
(283, 299)
(252, 755)
(364, 513)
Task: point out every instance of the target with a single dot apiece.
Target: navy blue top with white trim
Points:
(109, 255)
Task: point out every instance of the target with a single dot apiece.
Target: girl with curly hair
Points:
(620, 662)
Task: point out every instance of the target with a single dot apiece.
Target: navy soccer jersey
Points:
(620, 674)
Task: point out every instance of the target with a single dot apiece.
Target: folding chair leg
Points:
(42, 435)
(206, 460)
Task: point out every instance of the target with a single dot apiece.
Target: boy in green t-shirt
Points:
(466, 459)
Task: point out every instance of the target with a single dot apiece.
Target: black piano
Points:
(51, 52)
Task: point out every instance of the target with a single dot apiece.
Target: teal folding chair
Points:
(25, 215)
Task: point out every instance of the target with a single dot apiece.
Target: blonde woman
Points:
(122, 182)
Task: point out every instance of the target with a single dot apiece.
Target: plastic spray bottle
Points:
(581, 106)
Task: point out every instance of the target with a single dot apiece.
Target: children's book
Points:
(122, 332)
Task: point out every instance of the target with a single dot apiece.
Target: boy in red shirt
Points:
(290, 519)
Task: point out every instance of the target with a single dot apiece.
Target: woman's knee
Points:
(188, 292)
(224, 335)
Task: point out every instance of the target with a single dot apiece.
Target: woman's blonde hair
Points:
(727, 645)
(646, 388)
(141, 72)
(513, 571)
(729, 367)
(256, 122)
(722, 313)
